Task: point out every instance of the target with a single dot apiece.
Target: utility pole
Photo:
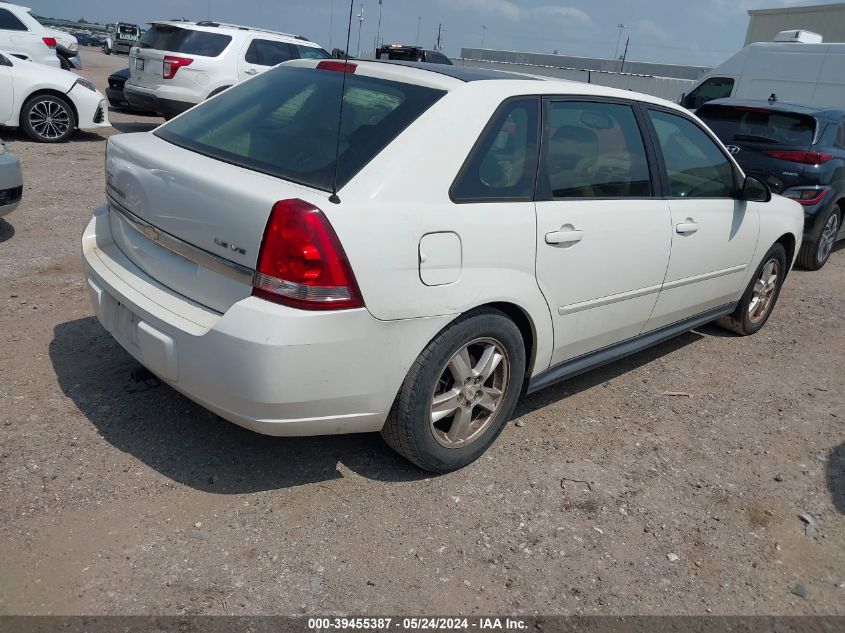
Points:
(419, 24)
(621, 27)
(483, 33)
(360, 17)
(438, 48)
(625, 54)
(331, 26)
(378, 31)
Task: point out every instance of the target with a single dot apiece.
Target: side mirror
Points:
(755, 190)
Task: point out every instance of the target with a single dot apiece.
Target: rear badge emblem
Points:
(733, 149)
(232, 247)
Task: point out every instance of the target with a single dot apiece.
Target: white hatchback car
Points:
(24, 37)
(177, 65)
(48, 104)
(482, 234)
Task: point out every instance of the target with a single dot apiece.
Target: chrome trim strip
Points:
(604, 301)
(179, 247)
(705, 277)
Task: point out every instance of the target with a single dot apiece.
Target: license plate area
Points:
(139, 63)
(126, 325)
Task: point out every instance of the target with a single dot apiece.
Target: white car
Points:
(482, 234)
(67, 50)
(22, 36)
(11, 181)
(177, 65)
(48, 104)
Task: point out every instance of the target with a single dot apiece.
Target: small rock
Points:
(810, 526)
(698, 563)
(799, 590)
(197, 524)
(724, 584)
(370, 583)
(821, 457)
(519, 423)
(672, 557)
(778, 477)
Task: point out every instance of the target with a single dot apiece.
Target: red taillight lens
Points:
(301, 262)
(807, 197)
(172, 64)
(337, 66)
(50, 41)
(807, 158)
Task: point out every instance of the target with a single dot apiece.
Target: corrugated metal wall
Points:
(829, 20)
(664, 87)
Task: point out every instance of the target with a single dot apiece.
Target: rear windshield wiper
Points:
(754, 138)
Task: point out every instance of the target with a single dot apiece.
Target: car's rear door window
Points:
(594, 150)
(173, 39)
(269, 52)
(503, 164)
(695, 166)
(759, 125)
(10, 22)
(285, 123)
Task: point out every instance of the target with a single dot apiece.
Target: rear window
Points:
(759, 125)
(178, 40)
(285, 123)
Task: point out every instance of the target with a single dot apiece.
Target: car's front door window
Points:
(695, 165)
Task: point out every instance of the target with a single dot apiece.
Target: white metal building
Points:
(826, 19)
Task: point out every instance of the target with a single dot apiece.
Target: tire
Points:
(760, 297)
(48, 118)
(459, 351)
(814, 254)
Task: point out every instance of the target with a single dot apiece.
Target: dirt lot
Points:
(118, 499)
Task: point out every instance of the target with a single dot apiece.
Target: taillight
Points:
(807, 158)
(337, 66)
(301, 262)
(807, 197)
(172, 64)
(49, 41)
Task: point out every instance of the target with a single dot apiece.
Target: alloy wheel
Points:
(765, 289)
(469, 392)
(828, 238)
(49, 119)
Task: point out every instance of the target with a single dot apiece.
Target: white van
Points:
(809, 74)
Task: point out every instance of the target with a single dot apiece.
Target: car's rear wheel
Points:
(760, 297)
(459, 393)
(815, 253)
(48, 119)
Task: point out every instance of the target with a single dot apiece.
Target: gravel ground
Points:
(606, 496)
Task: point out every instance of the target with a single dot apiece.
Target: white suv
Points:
(177, 65)
(22, 36)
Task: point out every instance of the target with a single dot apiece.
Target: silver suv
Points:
(177, 65)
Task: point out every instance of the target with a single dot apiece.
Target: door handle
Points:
(567, 235)
(251, 71)
(687, 227)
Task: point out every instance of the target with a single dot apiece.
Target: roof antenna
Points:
(334, 198)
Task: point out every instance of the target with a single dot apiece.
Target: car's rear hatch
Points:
(191, 201)
(766, 142)
(146, 62)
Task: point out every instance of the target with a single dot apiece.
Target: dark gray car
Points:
(11, 181)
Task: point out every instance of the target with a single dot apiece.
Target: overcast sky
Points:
(677, 31)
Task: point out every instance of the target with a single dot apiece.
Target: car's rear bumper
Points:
(151, 102)
(11, 184)
(267, 367)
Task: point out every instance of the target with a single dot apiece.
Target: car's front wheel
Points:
(459, 393)
(815, 253)
(760, 297)
(48, 118)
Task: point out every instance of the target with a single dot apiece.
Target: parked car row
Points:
(414, 259)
